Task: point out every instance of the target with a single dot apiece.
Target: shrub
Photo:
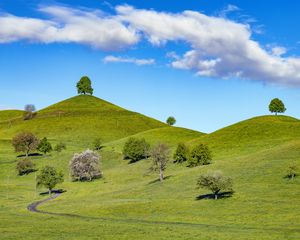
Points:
(59, 147)
(85, 166)
(25, 166)
(215, 181)
(200, 155)
(25, 142)
(44, 146)
(97, 144)
(136, 149)
(291, 171)
(49, 178)
(181, 154)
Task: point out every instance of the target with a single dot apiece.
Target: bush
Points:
(215, 181)
(25, 142)
(44, 146)
(181, 154)
(85, 166)
(59, 147)
(136, 149)
(200, 155)
(25, 166)
(97, 144)
(291, 172)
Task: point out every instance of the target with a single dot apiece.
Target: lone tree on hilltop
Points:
(25, 142)
(44, 146)
(84, 86)
(216, 182)
(29, 111)
(85, 166)
(171, 121)
(49, 178)
(200, 155)
(277, 106)
(160, 155)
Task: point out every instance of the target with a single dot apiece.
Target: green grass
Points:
(130, 204)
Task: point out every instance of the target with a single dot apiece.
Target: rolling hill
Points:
(129, 202)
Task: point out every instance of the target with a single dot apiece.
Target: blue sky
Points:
(208, 63)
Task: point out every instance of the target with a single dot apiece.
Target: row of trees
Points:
(27, 142)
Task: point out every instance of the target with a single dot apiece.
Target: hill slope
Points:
(82, 119)
(251, 135)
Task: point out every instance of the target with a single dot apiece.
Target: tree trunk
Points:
(275, 113)
(161, 175)
(49, 191)
(216, 196)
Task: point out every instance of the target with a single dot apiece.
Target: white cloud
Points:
(219, 47)
(69, 26)
(228, 9)
(118, 59)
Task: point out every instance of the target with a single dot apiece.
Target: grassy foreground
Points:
(130, 204)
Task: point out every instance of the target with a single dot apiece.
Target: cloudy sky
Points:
(209, 63)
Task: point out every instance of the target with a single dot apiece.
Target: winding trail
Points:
(33, 208)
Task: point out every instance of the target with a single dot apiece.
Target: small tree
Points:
(215, 182)
(171, 121)
(291, 172)
(45, 146)
(25, 142)
(160, 155)
(84, 86)
(29, 111)
(277, 106)
(181, 154)
(49, 178)
(85, 166)
(200, 155)
(59, 147)
(136, 149)
(97, 144)
(25, 166)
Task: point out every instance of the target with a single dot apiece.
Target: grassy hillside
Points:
(6, 115)
(129, 203)
(169, 135)
(249, 136)
(80, 120)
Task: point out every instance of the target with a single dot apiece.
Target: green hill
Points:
(129, 203)
(6, 115)
(249, 136)
(80, 120)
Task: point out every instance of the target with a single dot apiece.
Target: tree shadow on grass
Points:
(157, 180)
(212, 196)
(53, 191)
(30, 155)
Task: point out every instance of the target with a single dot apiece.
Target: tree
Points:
(277, 106)
(84, 86)
(215, 182)
(25, 166)
(200, 155)
(49, 178)
(25, 142)
(85, 166)
(160, 157)
(291, 172)
(97, 144)
(44, 146)
(181, 154)
(136, 149)
(29, 111)
(59, 147)
(171, 121)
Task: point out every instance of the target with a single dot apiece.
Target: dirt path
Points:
(33, 208)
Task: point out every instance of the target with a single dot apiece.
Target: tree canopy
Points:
(171, 121)
(277, 106)
(135, 149)
(45, 146)
(25, 142)
(84, 86)
(49, 178)
(160, 155)
(200, 155)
